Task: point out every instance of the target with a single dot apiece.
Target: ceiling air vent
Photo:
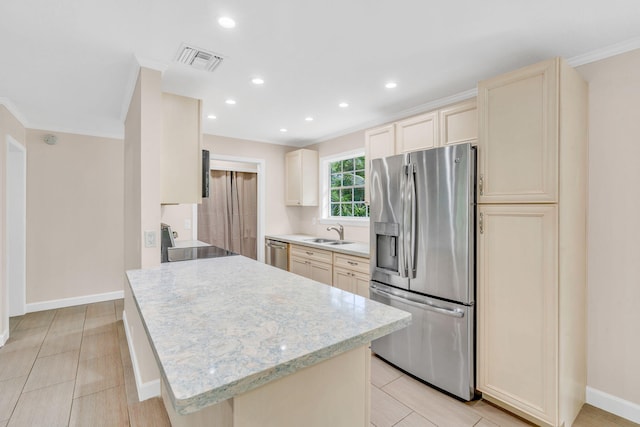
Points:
(198, 58)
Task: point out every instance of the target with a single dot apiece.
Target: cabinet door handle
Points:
(481, 184)
(352, 263)
(309, 253)
(481, 223)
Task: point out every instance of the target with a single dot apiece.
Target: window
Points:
(346, 187)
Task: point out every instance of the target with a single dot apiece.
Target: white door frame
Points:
(15, 222)
(260, 167)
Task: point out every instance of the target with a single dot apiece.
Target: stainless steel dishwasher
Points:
(276, 253)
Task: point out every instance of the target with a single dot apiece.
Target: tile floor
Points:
(71, 366)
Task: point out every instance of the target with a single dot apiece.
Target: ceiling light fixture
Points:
(231, 101)
(257, 81)
(309, 119)
(283, 130)
(391, 85)
(211, 116)
(343, 105)
(226, 22)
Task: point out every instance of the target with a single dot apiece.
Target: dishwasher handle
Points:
(276, 245)
(425, 305)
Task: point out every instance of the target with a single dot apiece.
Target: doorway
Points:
(15, 223)
(233, 215)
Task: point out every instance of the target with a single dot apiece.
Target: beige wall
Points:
(74, 216)
(613, 231)
(9, 125)
(175, 216)
(143, 133)
(279, 219)
(308, 221)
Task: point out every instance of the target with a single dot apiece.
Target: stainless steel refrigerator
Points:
(422, 208)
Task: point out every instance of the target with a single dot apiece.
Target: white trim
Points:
(15, 249)
(14, 111)
(324, 189)
(112, 134)
(605, 52)
(70, 302)
(351, 222)
(145, 390)
(262, 177)
(4, 337)
(613, 404)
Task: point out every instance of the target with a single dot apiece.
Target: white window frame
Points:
(325, 190)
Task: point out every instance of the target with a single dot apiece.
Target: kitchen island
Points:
(246, 344)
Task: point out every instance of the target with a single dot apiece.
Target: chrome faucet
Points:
(339, 229)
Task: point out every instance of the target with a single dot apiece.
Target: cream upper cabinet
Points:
(518, 306)
(301, 170)
(531, 278)
(181, 155)
(459, 124)
(518, 141)
(378, 143)
(417, 133)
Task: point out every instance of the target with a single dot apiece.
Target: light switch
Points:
(187, 224)
(149, 239)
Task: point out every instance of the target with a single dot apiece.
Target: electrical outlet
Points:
(187, 224)
(149, 239)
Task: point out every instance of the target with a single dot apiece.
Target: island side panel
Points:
(334, 393)
(218, 415)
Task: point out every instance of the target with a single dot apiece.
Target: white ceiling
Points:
(68, 65)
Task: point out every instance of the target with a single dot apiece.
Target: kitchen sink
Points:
(339, 242)
(319, 240)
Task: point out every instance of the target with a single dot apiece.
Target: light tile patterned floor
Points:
(72, 367)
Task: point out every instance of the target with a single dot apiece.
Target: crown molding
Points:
(130, 87)
(422, 108)
(14, 111)
(84, 132)
(605, 52)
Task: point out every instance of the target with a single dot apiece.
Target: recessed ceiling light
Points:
(391, 85)
(283, 130)
(343, 105)
(309, 119)
(211, 116)
(230, 101)
(257, 81)
(226, 22)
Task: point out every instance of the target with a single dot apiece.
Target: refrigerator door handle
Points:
(425, 305)
(413, 241)
(402, 255)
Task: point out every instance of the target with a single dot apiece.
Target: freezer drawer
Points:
(438, 345)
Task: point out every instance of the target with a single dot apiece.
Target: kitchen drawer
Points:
(318, 255)
(353, 263)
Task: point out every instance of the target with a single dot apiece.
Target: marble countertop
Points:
(355, 248)
(222, 326)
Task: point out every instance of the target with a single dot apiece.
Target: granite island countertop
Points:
(355, 248)
(220, 327)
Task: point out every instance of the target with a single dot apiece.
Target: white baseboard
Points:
(145, 390)
(615, 405)
(70, 302)
(4, 337)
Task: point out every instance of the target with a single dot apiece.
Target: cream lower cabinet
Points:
(351, 273)
(518, 307)
(315, 264)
